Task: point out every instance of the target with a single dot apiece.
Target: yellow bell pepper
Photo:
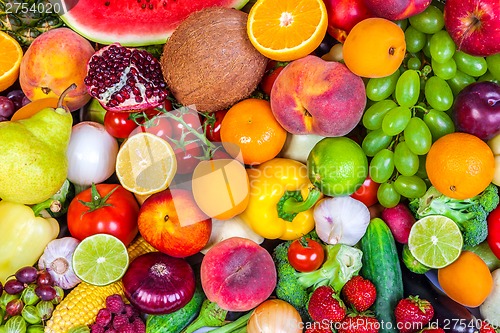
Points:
(281, 200)
(23, 237)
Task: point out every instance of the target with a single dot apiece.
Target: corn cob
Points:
(81, 305)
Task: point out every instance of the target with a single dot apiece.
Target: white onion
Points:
(91, 154)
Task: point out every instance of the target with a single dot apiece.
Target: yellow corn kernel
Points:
(82, 304)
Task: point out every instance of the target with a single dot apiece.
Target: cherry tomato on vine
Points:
(192, 119)
(494, 231)
(104, 208)
(159, 126)
(367, 193)
(305, 255)
(213, 121)
(272, 71)
(187, 157)
(118, 124)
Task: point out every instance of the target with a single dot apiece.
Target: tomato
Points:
(266, 84)
(104, 208)
(367, 193)
(191, 118)
(305, 255)
(187, 157)
(494, 231)
(212, 122)
(118, 124)
(160, 126)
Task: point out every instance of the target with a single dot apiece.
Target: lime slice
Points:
(100, 259)
(435, 241)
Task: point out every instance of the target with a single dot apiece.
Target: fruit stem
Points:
(63, 95)
(291, 204)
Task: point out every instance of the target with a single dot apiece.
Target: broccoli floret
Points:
(341, 264)
(470, 214)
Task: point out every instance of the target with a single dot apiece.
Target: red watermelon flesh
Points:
(134, 22)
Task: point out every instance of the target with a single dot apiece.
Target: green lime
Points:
(435, 241)
(337, 166)
(100, 259)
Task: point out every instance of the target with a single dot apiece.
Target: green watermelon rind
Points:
(124, 33)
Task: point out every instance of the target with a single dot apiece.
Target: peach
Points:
(396, 9)
(314, 96)
(56, 59)
(237, 274)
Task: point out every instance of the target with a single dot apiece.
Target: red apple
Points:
(173, 224)
(476, 110)
(474, 25)
(396, 9)
(343, 15)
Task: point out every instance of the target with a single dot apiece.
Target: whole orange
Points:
(375, 47)
(250, 125)
(460, 165)
(467, 280)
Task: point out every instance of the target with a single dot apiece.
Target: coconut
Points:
(209, 62)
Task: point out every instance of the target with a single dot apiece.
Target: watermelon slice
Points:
(133, 22)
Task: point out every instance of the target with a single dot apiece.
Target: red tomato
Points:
(118, 124)
(90, 213)
(213, 121)
(187, 157)
(305, 255)
(192, 119)
(159, 126)
(367, 193)
(494, 231)
(266, 84)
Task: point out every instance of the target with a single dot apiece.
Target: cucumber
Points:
(176, 321)
(381, 266)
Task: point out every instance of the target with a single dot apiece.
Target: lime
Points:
(435, 241)
(337, 166)
(100, 259)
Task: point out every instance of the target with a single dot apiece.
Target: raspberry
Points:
(120, 320)
(139, 326)
(111, 330)
(130, 311)
(96, 328)
(103, 317)
(128, 328)
(115, 303)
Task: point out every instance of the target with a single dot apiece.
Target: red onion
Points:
(157, 283)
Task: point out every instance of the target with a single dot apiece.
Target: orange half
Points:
(285, 30)
(10, 61)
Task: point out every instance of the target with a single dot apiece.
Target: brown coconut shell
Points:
(209, 62)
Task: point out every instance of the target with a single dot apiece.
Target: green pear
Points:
(33, 163)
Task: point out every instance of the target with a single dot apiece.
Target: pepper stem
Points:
(292, 203)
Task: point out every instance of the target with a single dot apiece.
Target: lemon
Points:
(145, 164)
(435, 241)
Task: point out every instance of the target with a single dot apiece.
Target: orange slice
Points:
(10, 61)
(33, 107)
(145, 164)
(286, 30)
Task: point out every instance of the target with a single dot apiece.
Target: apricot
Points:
(56, 59)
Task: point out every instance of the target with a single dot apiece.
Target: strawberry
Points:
(325, 304)
(359, 323)
(360, 293)
(412, 314)
(486, 328)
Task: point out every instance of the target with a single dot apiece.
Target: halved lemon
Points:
(145, 164)
(286, 30)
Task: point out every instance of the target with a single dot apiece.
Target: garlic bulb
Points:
(57, 260)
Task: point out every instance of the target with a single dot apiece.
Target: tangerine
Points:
(460, 165)
(375, 47)
(10, 61)
(250, 125)
(467, 280)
